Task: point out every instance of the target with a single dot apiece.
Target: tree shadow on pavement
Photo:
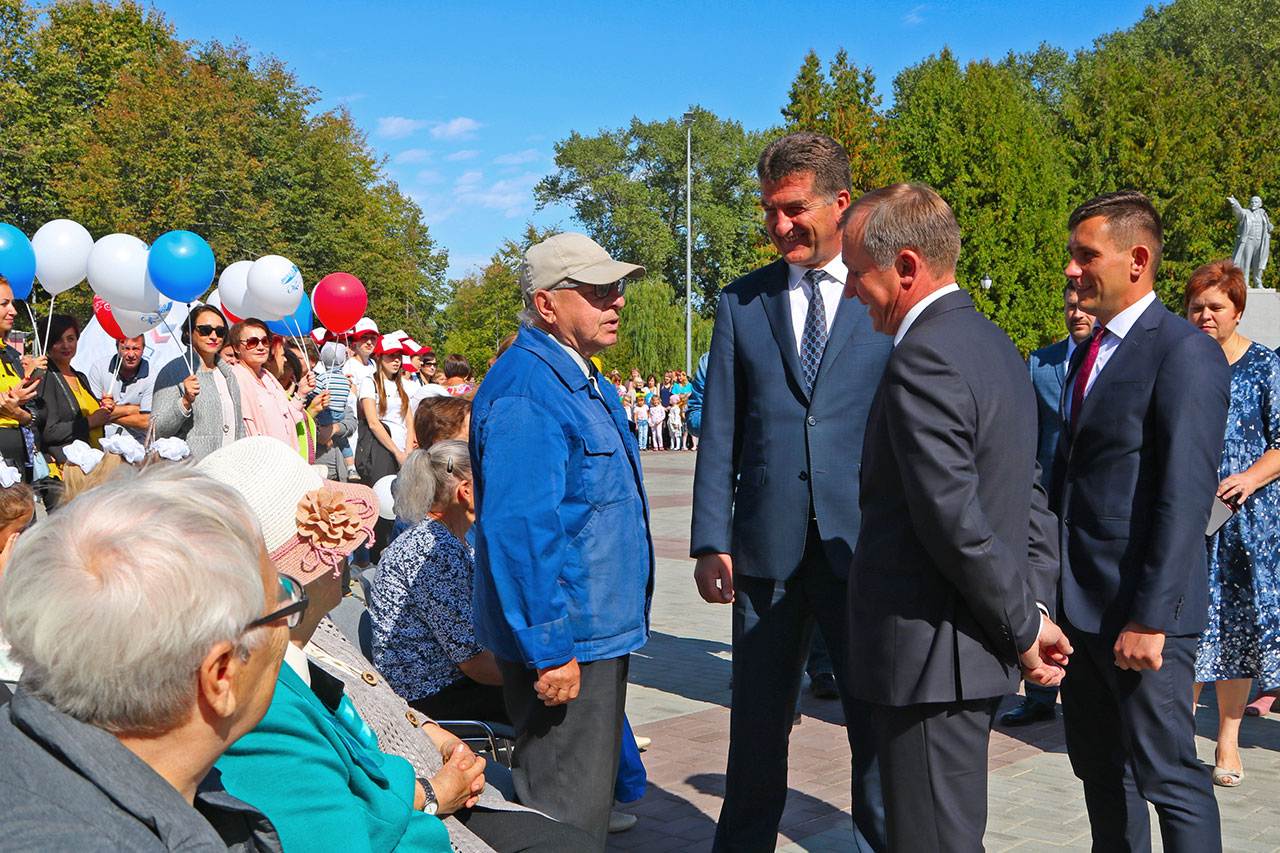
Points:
(684, 666)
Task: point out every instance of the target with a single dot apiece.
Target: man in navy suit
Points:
(1048, 372)
(792, 370)
(1144, 406)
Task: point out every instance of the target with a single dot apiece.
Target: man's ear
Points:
(216, 678)
(544, 305)
(1140, 260)
(907, 266)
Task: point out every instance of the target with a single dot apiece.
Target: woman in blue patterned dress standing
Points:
(1241, 640)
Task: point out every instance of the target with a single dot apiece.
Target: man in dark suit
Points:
(1048, 367)
(792, 370)
(1144, 409)
(956, 553)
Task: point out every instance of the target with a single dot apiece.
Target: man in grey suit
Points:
(793, 366)
(1048, 367)
(956, 562)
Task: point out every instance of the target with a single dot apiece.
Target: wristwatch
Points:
(432, 804)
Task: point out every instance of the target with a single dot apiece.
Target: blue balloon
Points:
(181, 265)
(296, 324)
(17, 260)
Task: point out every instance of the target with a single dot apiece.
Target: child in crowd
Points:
(657, 415)
(642, 422)
(331, 379)
(675, 421)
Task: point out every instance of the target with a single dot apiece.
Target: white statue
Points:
(1253, 239)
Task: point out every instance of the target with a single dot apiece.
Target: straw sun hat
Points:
(309, 523)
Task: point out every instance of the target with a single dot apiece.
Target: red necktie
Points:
(1082, 376)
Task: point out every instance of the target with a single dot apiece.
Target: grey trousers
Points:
(566, 758)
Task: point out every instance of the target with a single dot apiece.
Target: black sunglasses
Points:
(208, 329)
(296, 598)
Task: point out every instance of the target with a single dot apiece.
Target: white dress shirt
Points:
(832, 286)
(918, 309)
(296, 659)
(1117, 329)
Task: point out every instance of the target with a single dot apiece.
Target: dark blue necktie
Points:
(814, 339)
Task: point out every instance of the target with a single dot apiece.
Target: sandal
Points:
(1261, 706)
(1224, 778)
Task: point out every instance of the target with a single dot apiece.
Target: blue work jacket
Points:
(564, 557)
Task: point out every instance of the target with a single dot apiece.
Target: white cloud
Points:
(470, 178)
(455, 128)
(435, 208)
(915, 15)
(517, 158)
(464, 154)
(511, 197)
(398, 127)
(429, 176)
(410, 156)
(462, 265)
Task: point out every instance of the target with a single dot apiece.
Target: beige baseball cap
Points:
(572, 257)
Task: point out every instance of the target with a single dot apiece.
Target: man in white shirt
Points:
(131, 387)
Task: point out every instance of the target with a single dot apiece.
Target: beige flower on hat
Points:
(326, 522)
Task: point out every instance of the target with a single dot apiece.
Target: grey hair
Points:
(427, 475)
(111, 604)
(906, 216)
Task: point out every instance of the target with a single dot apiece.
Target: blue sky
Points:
(466, 100)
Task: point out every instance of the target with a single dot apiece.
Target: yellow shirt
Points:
(88, 405)
(8, 381)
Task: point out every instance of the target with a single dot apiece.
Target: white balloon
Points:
(275, 285)
(62, 254)
(386, 498)
(134, 323)
(233, 286)
(118, 273)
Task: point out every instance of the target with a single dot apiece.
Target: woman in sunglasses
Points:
(201, 407)
(266, 408)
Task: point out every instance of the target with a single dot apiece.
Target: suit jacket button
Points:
(804, 475)
(812, 421)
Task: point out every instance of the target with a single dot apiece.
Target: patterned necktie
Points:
(814, 339)
(1082, 375)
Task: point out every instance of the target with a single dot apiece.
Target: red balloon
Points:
(339, 300)
(102, 310)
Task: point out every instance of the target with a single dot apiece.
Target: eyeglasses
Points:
(600, 291)
(255, 342)
(207, 329)
(295, 601)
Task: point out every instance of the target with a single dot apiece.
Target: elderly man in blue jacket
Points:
(564, 558)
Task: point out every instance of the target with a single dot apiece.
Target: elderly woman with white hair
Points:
(150, 627)
(424, 639)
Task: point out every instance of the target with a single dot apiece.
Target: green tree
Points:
(981, 138)
(843, 104)
(627, 187)
(651, 332)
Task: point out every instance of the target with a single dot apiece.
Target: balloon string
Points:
(191, 366)
(186, 356)
(35, 329)
(111, 389)
(48, 328)
(297, 337)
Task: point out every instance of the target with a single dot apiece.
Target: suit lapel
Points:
(847, 316)
(1060, 366)
(777, 307)
(1130, 350)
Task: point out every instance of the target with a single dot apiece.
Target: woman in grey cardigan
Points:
(202, 408)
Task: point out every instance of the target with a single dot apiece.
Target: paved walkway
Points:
(679, 696)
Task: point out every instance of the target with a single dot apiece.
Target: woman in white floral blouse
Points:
(424, 639)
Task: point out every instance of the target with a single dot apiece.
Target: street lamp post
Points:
(986, 282)
(688, 243)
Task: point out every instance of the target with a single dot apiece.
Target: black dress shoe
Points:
(823, 686)
(1030, 711)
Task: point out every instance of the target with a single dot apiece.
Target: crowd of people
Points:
(214, 634)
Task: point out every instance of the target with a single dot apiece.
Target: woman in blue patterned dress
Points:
(1241, 641)
(424, 639)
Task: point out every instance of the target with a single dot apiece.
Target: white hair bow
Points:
(124, 445)
(9, 475)
(83, 456)
(172, 448)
